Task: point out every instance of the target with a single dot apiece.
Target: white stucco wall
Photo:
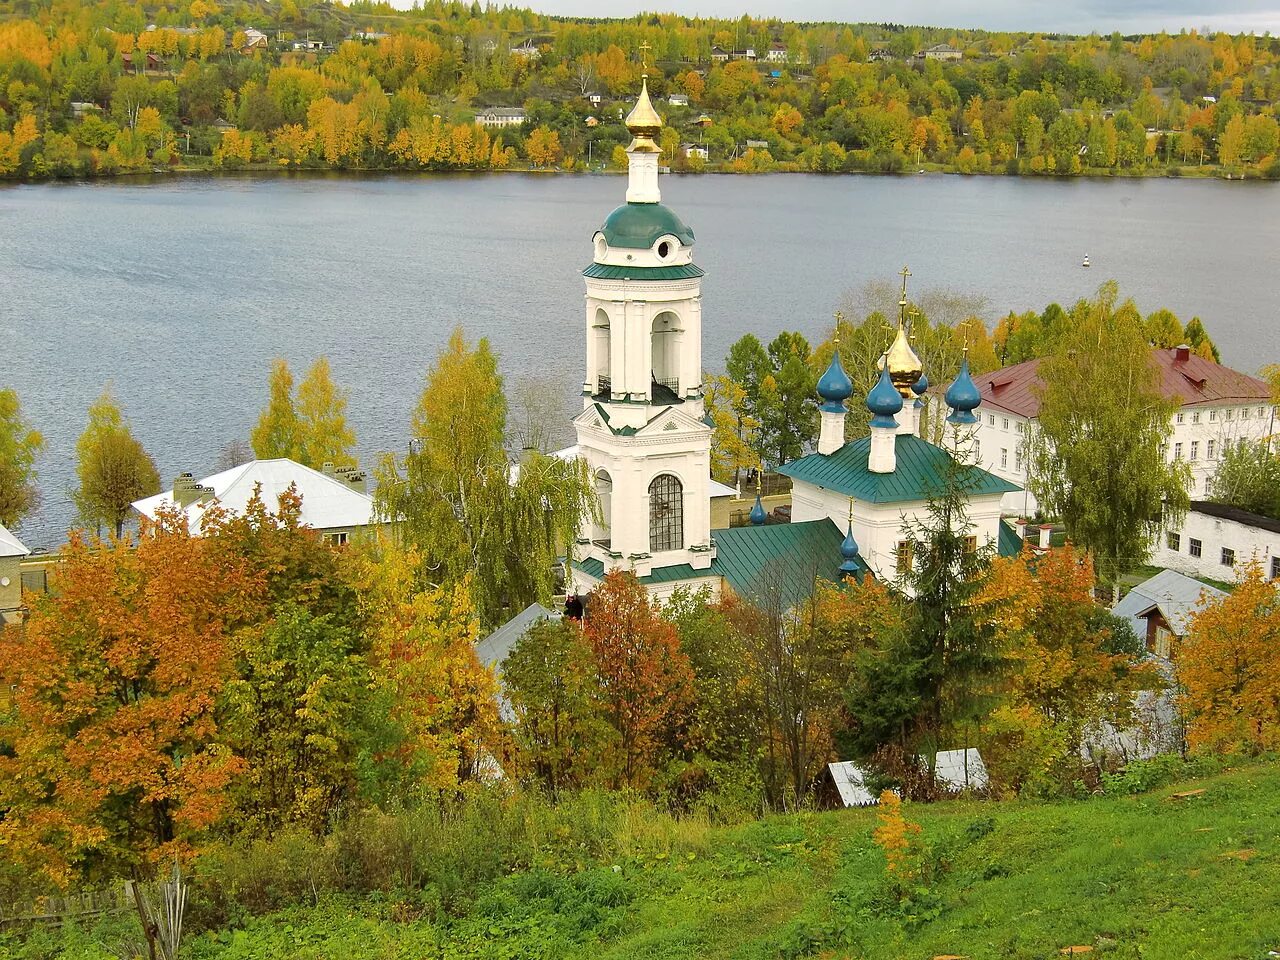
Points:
(1214, 534)
(879, 528)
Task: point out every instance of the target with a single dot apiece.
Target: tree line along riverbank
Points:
(91, 89)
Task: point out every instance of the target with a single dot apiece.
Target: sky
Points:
(1084, 16)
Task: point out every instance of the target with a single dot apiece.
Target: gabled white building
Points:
(1216, 540)
(1218, 406)
(334, 502)
(501, 117)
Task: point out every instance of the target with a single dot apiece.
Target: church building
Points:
(644, 435)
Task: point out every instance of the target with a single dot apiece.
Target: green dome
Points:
(639, 225)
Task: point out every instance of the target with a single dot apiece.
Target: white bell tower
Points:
(641, 430)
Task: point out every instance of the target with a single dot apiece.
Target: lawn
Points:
(1184, 871)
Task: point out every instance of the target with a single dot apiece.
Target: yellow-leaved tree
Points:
(1229, 670)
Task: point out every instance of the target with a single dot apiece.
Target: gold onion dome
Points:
(904, 366)
(643, 121)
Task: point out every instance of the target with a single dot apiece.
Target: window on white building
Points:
(1230, 413)
(977, 449)
(1173, 541)
(906, 554)
(1228, 557)
(991, 419)
(1004, 457)
(1195, 417)
(1275, 568)
(1177, 451)
(1194, 547)
(1018, 426)
(1195, 449)
(1244, 413)
(1213, 415)
(1004, 423)
(1260, 413)
(666, 514)
(1017, 459)
(338, 539)
(1180, 417)
(1208, 450)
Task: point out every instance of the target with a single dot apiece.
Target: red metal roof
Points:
(1192, 380)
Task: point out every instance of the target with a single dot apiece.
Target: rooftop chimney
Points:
(352, 477)
(1181, 353)
(186, 491)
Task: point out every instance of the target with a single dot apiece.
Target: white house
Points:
(777, 53)
(501, 117)
(1216, 540)
(334, 502)
(12, 550)
(528, 49)
(678, 99)
(941, 51)
(694, 150)
(1218, 406)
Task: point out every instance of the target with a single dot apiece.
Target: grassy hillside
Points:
(1152, 875)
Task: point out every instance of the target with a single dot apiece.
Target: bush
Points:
(1273, 172)
(1143, 775)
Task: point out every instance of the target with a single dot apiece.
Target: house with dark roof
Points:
(12, 551)
(1217, 407)
(1216, 540)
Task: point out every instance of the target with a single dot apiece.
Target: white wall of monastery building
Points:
(1217, 541)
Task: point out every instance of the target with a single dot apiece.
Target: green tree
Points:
(19, 447)
(278, 433)
(788, 406)
(1164, 329)
(1098, 460)
(452, 497)
(114, 469)
(322, 420)
(1248, 477)
(554, 691)
(1198, 340)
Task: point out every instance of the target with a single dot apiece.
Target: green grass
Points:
(1134, 876)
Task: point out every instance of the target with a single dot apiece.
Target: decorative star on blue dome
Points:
(963, 397)
(884, 401)
(757, 516)
(835, 387)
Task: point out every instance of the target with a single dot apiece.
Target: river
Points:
(180, 291)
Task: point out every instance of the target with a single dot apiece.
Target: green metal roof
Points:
(918, 475)
(755, 559)
(639, 225)
(1009, 544)
(607, 271)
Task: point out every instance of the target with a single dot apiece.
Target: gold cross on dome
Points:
(644, 54)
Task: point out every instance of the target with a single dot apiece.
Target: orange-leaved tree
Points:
(645, 679)
(115, 759)
(1229, 669)
(1068, 672)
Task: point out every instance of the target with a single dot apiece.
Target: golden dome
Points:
(904, 366)
(643, 121)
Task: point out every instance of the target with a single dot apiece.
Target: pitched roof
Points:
(1225, 511)
(327, 502)
(1174, 594)
(1008, 543)
(918, 474)
(851, 783)
(960, 769)
(755, 560)
(10, 545)
(1193, 381)
(494, 649)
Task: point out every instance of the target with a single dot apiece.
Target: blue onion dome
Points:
(835, 387)
(963, 396)
(919, 388)
(757, 515)
(849, 551)
(884, 401)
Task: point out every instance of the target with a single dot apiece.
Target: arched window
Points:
(604, 494)
(665, 340)
(666, 514)
(601, 373)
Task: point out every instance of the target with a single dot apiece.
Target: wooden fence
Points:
(60, 908)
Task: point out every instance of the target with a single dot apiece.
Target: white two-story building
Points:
(1218, 406)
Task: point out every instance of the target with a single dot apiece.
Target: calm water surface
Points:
(180, 292)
